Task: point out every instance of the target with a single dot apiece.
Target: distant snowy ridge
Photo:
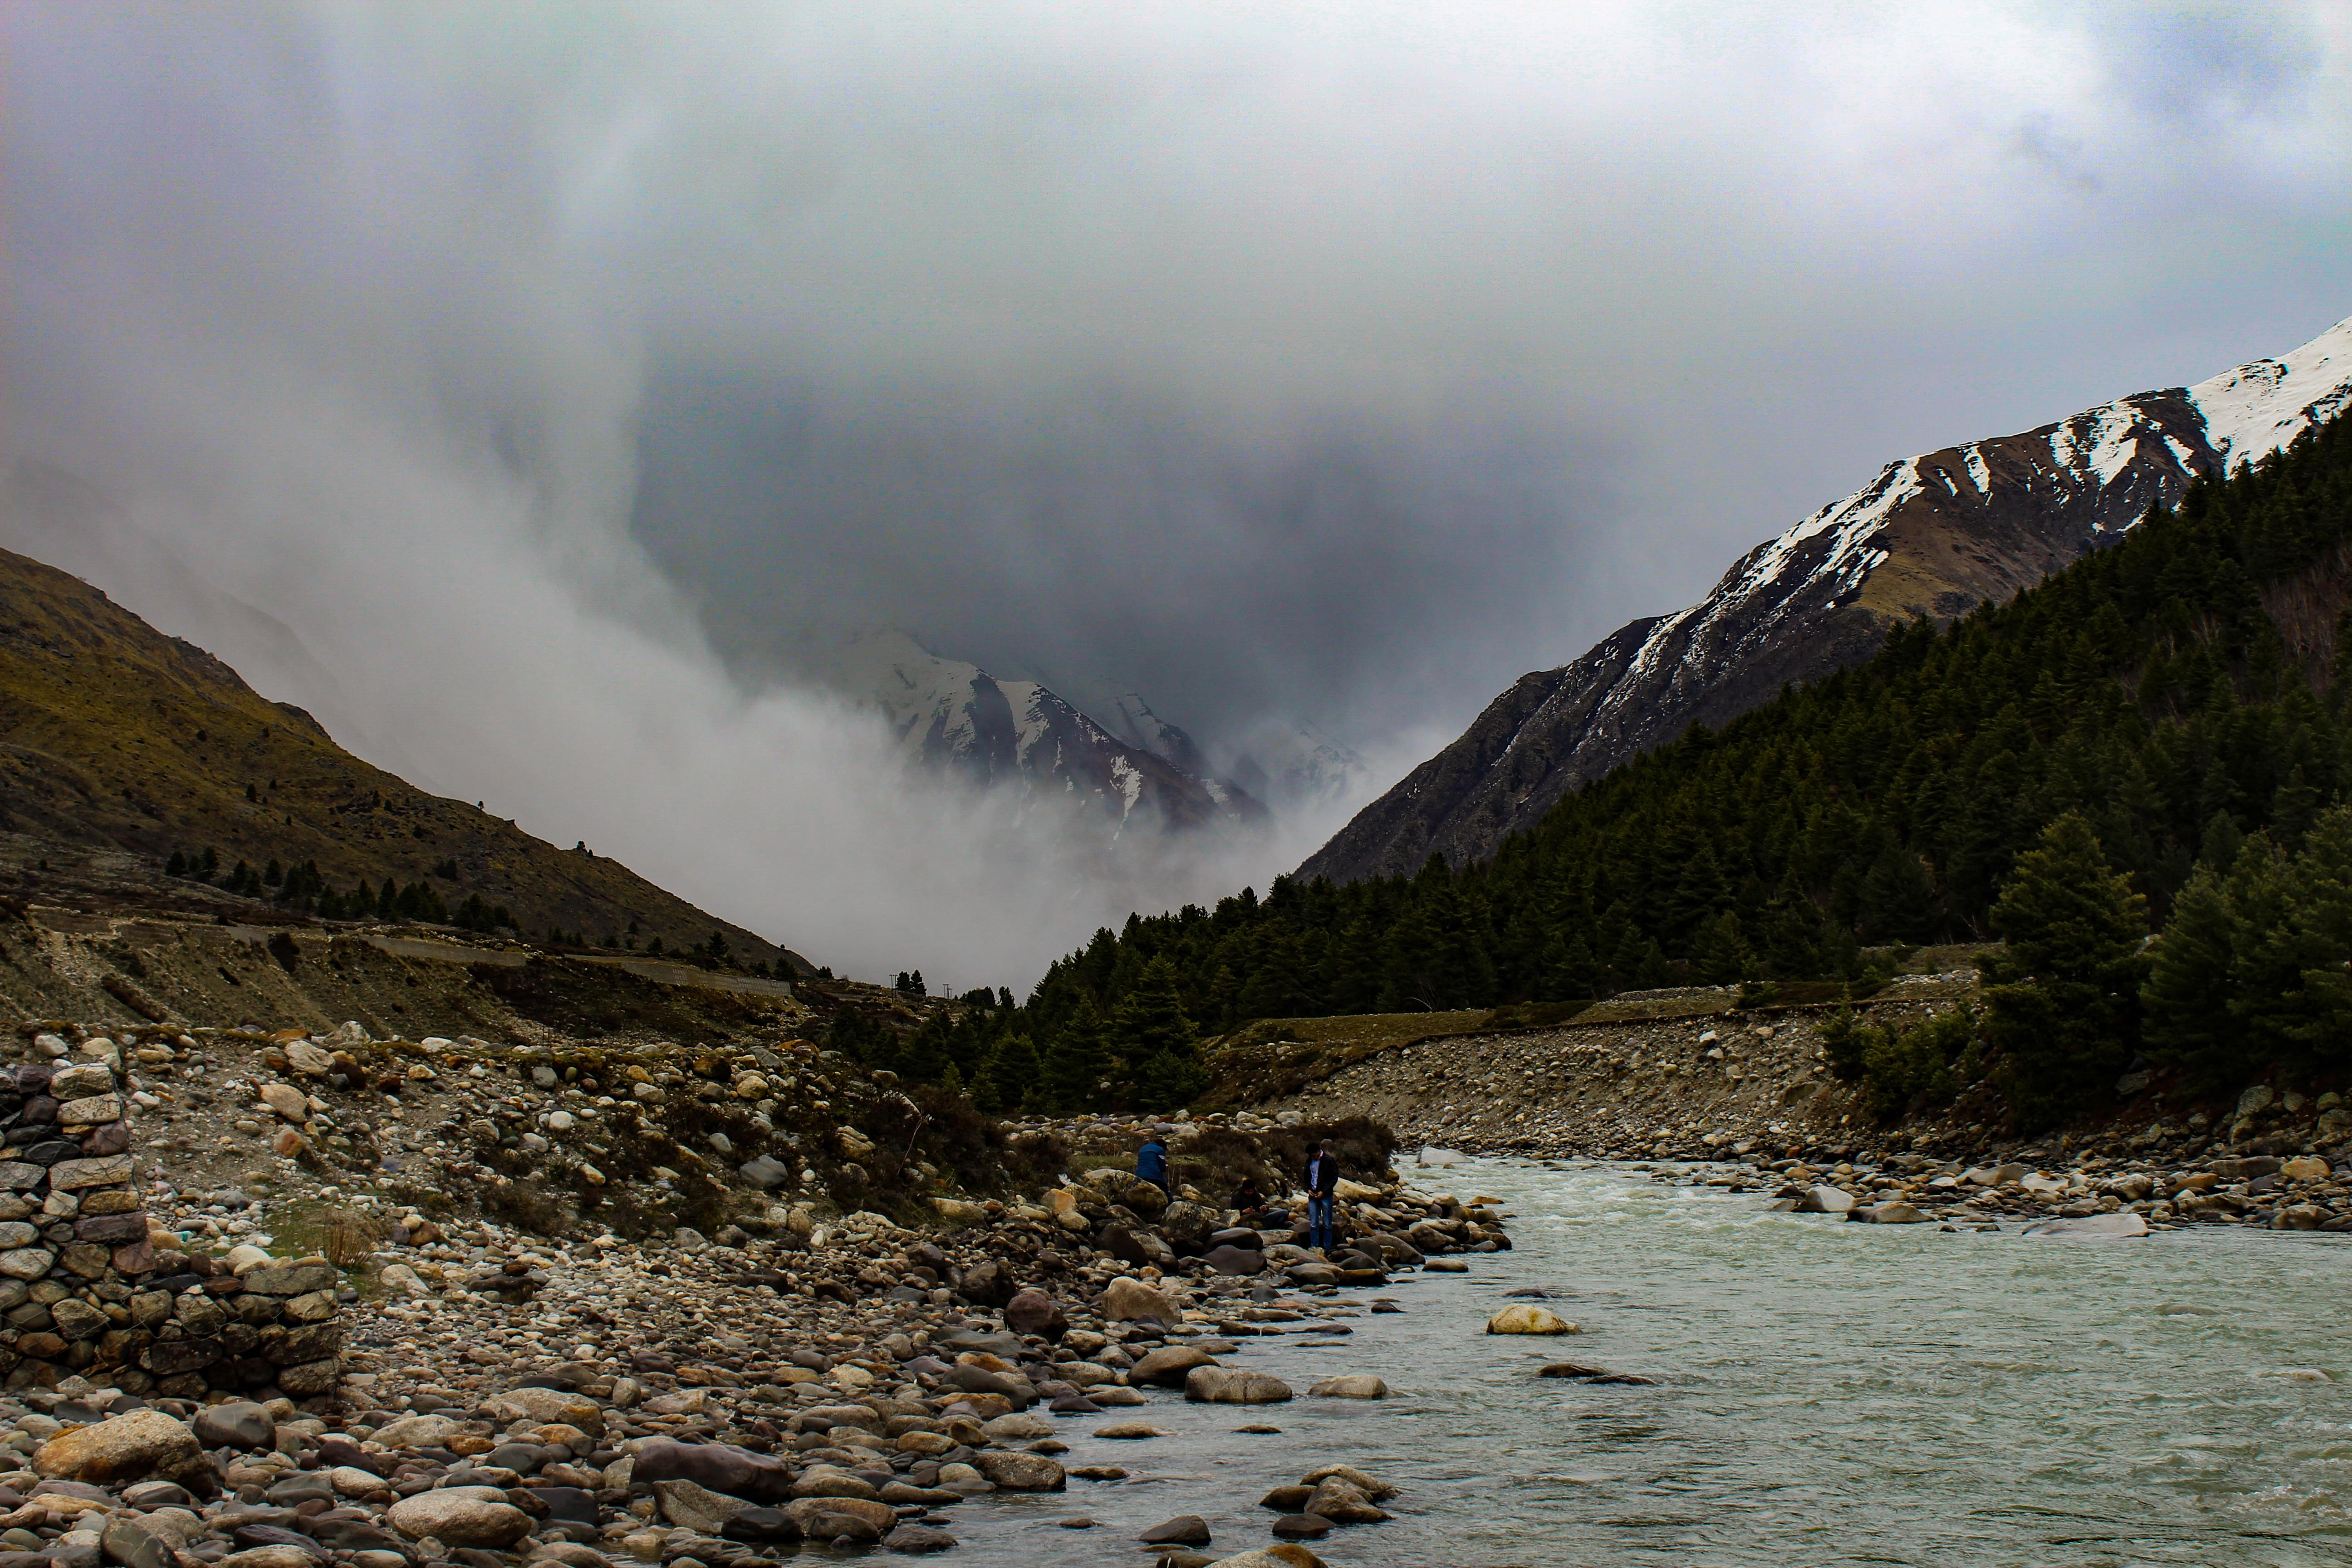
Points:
(1932, 535)
(955, 718)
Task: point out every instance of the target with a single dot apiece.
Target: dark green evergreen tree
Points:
(1157, 1042)
(2064, 991)
(1079, 1065)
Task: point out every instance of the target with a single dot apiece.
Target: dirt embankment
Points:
(130, 969)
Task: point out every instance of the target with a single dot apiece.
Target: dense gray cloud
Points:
(553, 378)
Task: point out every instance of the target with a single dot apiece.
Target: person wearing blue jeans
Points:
(1322, 1178)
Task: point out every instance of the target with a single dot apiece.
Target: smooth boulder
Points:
(1356, 1386)
(1126, 1300)
(719, 1467)
(834, 1518)
(696, 1508)
(127, 1448)
(1035, 1312)
(459, 1516)
(1231, 1386)
(1016, 1471)
(1522, 1318)
(2120, 1226)
(240, 1424)
(1170, 1365)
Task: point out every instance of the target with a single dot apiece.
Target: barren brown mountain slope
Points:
(115, 737)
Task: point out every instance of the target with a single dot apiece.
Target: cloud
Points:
(552, 375)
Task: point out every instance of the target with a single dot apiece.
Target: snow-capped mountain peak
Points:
(1933, 535)
(954, 716)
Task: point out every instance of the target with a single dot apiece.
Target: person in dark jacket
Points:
(1322, 1179)
(1151, 1162)
(1251, 1204)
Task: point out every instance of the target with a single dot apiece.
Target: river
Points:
(1829, 1394)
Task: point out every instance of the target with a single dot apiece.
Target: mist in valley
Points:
(534, 392)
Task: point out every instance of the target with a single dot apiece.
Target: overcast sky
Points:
(529, 386)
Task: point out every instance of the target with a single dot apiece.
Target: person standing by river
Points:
(1151, 1162)
(1322, 1179)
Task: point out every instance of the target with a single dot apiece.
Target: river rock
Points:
(412, 1432)
(1184, 1530)
(272, 1554)
(1826, 1200)
(913, 1537)
(986, 1284)
(1032, 1311)
(831, 1519)
(1342, 1503)
(455, 1516)
(2113, 1226)
(1285, 1555)
(1130, 1431)
(548, 1407)
(1020, 1426)
(132, 1543)
(1372, 1487)
(1170, 1365)
(1131, 1301)
(753, 1524)
(719, 1467)
(1231, 1386)
(1592, 1373)
(833, 1482)
(1298, 1526)
(1520, 1318)
(1187, 1225)
(127, 1448)
(699, 1508)
(1239, 1262)
(288, 1101)
(2305, 1168)
(1021, 1472)
(1888, 1214)
(1355, 1386)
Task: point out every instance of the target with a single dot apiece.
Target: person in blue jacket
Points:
(1151, 1162)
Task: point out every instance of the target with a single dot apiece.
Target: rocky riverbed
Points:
(579, 1394)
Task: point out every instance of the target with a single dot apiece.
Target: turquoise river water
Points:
(1829, 1394)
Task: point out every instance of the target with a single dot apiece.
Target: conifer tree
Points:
(1014, 1074)
(1898, 897)
(1078, 1064)
(2064, 992)
(1570, 973)
(2187, 996)
(1721, 954)
(1795, 942)
(1158, 1044)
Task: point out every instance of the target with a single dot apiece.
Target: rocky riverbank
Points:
(2094, 1195)
(1692, 1079)
(579, 1394)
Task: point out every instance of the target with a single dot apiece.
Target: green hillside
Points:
(115, 736)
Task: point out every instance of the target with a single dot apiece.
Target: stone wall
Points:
(89, 1288)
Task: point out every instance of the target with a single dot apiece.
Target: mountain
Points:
(1932, 536)
(1286, 766)
(115, 737)
(957, 718)
(1295, 768)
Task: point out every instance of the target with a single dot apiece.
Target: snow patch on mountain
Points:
(2261, 406)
